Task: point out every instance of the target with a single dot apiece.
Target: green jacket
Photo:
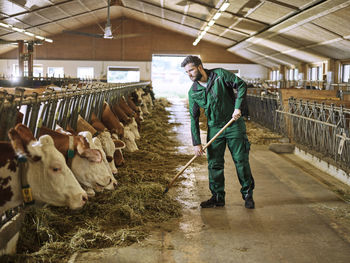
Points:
(224, 93)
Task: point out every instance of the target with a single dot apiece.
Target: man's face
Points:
(193, 72)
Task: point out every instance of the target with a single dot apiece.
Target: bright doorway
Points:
(168, 78)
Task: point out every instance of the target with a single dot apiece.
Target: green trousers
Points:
(236, 139)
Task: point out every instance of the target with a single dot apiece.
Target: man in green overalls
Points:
(222, 95)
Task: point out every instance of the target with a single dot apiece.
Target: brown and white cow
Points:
(111, 147)
(47, 174)
(95, 143)
(87, 164)
(139, 95)
(128, 120)
(112, 123)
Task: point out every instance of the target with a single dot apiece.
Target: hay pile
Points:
(114, 218)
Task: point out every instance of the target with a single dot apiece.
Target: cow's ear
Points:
(83, 149)
(16, 142)
(97, 142)
(119, 144)
(25, 133)
(93, 155)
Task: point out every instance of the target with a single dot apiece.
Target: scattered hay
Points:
(258, 134)
(113, 218)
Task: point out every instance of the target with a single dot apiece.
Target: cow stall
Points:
(318, 121)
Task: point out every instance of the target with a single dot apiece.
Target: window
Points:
(38, 71)
(315, 73)
(15, 70)
(275, 75)
(346, 73)
(296, 74)
(123, 75)
(56, 72)
(85, 73)
(291, 74)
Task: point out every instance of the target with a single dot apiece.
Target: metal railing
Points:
(305, 84)
(320, 128)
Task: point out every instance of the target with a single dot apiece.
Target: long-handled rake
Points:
(194, 157)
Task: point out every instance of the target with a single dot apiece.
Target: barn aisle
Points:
(297, 218)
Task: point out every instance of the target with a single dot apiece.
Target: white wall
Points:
(248, 71)
(70, 66)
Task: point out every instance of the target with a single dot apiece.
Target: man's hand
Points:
(198, 150)
(236, 114)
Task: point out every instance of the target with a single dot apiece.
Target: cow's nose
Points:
(115, 185)
(85, 197)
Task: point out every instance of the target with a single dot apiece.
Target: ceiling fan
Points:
(107, 31)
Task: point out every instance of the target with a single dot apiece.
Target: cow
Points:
(46, 172)
(95, 143)
(127, 120)
(112, 123)
(87, 163)
(148, 96)
(138, 99)
(85, 129)
(131, 111)
(111, 147)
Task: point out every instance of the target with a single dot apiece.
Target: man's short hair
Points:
(196, 61)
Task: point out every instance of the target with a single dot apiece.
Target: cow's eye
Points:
(56, 169)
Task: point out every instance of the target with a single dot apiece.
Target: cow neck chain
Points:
(22, 172)
(70, 152)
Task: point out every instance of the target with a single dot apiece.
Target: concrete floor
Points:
(298, 218)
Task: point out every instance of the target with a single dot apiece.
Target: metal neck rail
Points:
(59, 107)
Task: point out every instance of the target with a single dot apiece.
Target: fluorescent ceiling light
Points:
(29, 33)
(212, 22)
(4, 25)
(217, 15)
(224, 6)
(195, 43)
(203, 33)
(18, 29)
(206, 28)
(48, 40)
(40, 37)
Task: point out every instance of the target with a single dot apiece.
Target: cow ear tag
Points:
(27, 195)
(22, 158)
(70, 153)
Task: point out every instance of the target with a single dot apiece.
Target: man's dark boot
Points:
(249, 202)
(214, 201)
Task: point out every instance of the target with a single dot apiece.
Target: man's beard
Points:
(198, 76)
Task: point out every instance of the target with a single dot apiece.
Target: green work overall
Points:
(219, 101)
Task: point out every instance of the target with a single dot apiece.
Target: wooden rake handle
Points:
(194, 157)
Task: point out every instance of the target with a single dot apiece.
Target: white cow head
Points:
(110, 146)
(134, 128)
(61, 181)
(92, 173)
(113, 183)
(129, 139)
(48, 175)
